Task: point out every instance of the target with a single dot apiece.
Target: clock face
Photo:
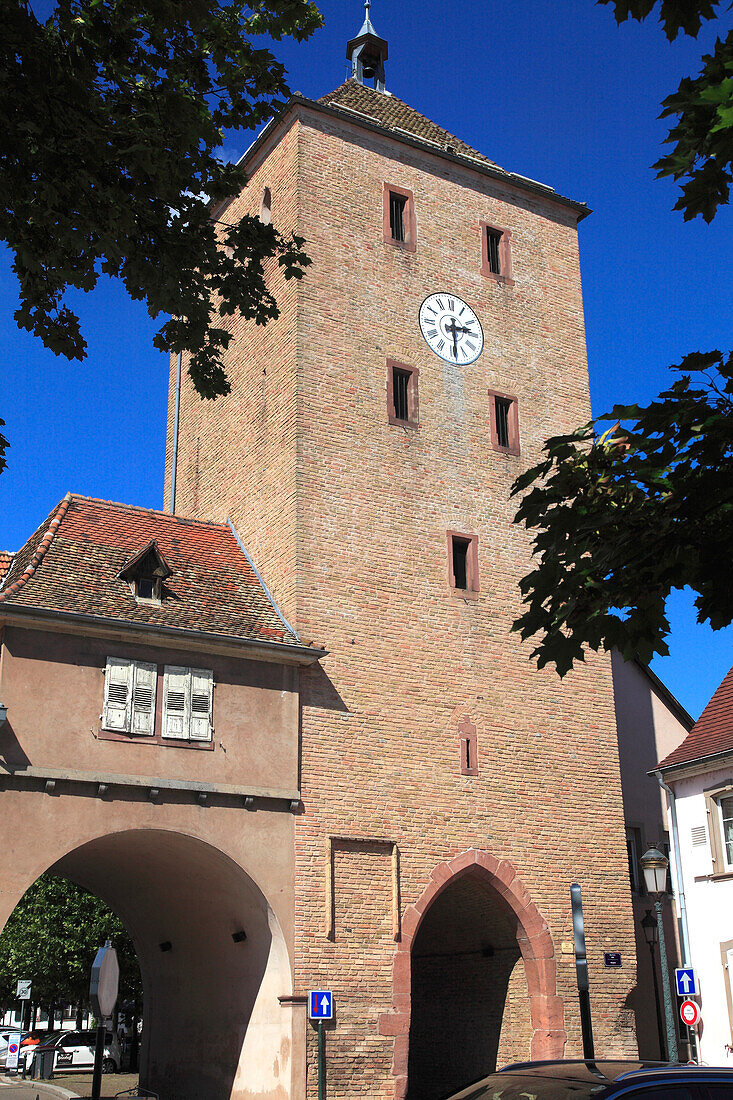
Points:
(451, 328)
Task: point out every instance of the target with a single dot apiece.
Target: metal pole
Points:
(668, 1011)
(321, 1063)
(176, 417)
(98, 1058)
(660, 1029)
(581, 972)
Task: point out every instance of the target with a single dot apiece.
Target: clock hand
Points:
(454, 330)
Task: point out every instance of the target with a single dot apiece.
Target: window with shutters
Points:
(402, 399)
(504, 422)
(398, 217)
(129, 697)
(496, 256)
(188, 695)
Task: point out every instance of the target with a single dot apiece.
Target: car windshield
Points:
(509, 1087)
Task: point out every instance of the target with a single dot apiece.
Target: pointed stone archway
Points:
(533, 943)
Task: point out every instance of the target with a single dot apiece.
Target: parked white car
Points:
(74, 1050)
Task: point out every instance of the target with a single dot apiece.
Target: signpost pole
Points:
(98, 1058)
(321, 1062)
(581, 971)
(23, 992)
(103, 990)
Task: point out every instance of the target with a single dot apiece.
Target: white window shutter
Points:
(176, 702)
(117, 695)
(202, 694)
(143, 698)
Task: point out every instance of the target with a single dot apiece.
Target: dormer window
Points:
(145, 573)
(147, 589)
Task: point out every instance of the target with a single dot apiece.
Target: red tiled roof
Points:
(72, 564)
(5, 561)
(713, 731)
(392, 113)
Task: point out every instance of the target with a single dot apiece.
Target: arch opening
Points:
(212, 957)
(470, 1008)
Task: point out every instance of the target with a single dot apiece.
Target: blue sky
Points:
(554, 91)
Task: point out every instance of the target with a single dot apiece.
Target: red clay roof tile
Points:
(72, 563)
(713, 731)
(394, 114)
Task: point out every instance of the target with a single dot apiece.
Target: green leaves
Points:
(112, 113)
(674, 15)
(620, 519)
(51, 938)
(702, 137)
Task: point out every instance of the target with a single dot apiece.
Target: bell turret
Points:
(368, 53)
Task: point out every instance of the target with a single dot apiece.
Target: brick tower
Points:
(450, 792)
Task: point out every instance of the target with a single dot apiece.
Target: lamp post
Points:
(649, 925)
(654, 864)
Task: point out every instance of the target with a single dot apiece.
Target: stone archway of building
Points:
(212, 957)
(474, 914)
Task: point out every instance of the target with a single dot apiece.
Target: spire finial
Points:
(368, 52)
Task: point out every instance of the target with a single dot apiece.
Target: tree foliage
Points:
(112, 114)
(52, 937)
(622, 518)
(702, 137)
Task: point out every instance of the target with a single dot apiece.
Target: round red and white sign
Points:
(690, 1013)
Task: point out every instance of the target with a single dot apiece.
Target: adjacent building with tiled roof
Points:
(72, 566)
(698, 778)
(712, 734)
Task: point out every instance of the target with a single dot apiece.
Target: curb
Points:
(42, 1088)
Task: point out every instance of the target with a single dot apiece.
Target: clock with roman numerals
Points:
(451, 328)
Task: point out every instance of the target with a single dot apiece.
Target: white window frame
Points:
(195, 718)
(721, 798)
(139, 679)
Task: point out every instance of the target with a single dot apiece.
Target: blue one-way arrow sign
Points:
(686, 981)
(320, 1004)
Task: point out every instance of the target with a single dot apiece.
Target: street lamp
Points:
(654, 864)
(649, 927)
(3, 713)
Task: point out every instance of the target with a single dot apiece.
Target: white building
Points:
(699, 774)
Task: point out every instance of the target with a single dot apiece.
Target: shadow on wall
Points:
(470, 1003)
(207, 989)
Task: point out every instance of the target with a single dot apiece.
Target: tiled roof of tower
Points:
(712, 734)
(393, 114)
(71, 564)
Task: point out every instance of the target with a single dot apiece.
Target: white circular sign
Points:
(690, 1013)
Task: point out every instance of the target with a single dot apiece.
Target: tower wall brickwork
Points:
(347, 517)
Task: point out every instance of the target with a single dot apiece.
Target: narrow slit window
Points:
(460, 562)
(504, 414)
(468, 762)
(402, 399)
(463, 565)
(493, 257)
(400, 383)
(397, 205)
(502, 410)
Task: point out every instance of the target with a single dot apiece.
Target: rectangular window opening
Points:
(502, 408)
(460, 562)
(726, 813)
(397, 204)
(493, 239)
(400, 385)
(633, 853)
